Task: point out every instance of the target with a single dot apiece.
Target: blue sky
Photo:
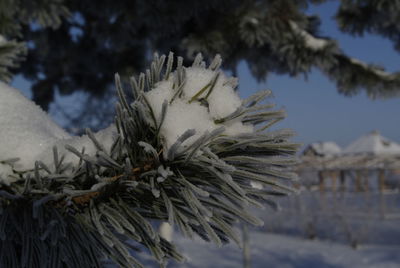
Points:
(316, 112)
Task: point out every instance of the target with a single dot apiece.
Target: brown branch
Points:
(84, 199)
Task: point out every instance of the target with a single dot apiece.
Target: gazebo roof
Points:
(374, 144)
(371, 151)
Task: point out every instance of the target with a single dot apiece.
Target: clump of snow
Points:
(237, 127)
(182, 116)
(28, 133)
(256, 185)
(25, 129)
(166, 231)
(310, 41)
(6, 174)
(105, 137)
(222, 101)
(183, 113)
(3, 40)
(254, 21)
(376, 70)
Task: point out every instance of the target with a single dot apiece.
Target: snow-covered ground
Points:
(272, 250)
(352, 218)
(369, 221)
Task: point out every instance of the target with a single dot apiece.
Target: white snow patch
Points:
(254, 21)
(28, 133)
(237, 127)
(273, 250)
(183, 115)
(166, 231)
(25, 129)
(222, 101)
(374, 69)
(163, 91)
(3, 40)
(105, 137)
(314, 43)
(256, 185)
(6, 173)
(310, 41)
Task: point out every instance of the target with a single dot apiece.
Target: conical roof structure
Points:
(373, 143)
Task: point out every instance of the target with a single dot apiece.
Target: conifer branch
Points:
(102, 203)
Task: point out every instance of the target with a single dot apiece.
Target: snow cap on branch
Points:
(309, 40)
(206, 96)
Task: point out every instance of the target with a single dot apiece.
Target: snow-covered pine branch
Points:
(351, 75)
(187, 150)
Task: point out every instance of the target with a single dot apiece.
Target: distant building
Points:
(373, 143)
(371, 162)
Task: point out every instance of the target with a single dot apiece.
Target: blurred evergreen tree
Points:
(77, 45)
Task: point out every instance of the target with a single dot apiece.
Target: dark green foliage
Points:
(87, 42)
(103, 207)
(34, 236)
(381, 17)
(11, 53)
(354, 74)
(14, 16)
